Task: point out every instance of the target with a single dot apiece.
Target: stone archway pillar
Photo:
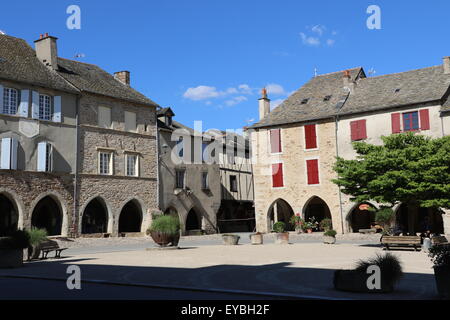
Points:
(446, 219)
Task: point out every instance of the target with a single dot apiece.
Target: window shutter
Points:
(310, 136)
(362, 131)
(312, 167)
(42, 157)
(57, 109)
(424, 119)
(275, 140)
(35, 105)
(6, 154)
(354, 130)
(130, 121)
(24, 102)
(277, 175)
(395, 118)
(1, 98)
(14, 146)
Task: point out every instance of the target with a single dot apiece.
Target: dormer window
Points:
(304, 101)
(168, 120)
(327, 98)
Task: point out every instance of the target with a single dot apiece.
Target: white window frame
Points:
(45, 107)
(110, 165)
(136, 164)
(9, 106)
(48, 157)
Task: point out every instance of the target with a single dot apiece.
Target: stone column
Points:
(446, 219)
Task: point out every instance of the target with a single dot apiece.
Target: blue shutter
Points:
(35, 105)
(42, 156)
(57, 109)
(1, 98)
(6, 154)
(24, 102)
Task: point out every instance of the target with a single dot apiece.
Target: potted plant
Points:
(165, 230)
(282, 237)
(11, 249)
(329, 237)
(310, 225)
(230, 239)
(37, 236)
(256, 238)
(297, 222)
(440, 256)
(326, 224)
(356, 280)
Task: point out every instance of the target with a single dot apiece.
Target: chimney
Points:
(264, 105)
(123, 76)
(348, 83)
(46, 51)
(446, 65)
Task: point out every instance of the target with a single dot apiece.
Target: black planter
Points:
(164, 239)
(11, 258)
(356, 281)
(442, 276)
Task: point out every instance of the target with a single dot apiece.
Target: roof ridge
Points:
(89, 64)
(395, 73)
(330, 73)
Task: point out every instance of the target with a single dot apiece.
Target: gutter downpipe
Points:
(336, 119)
(75, 222)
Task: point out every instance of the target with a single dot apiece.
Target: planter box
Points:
(282, 238)
(230, 239)
(355, 281)
(442, 276)
(164, 239)
(11, 258)
(256, 238)
(329, 240)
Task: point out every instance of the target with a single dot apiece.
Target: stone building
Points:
(189, 183)
(295, 145)
(78, 145)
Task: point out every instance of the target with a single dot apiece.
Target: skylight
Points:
(327, 98)
(304, 101)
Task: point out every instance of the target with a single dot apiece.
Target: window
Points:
(205, 182)
(358, 130)
(312, 167)
(8, 154)
(275, 141)
(310, 137)
(410, 121)
(179, 176)
(105, 163)
(205, 155)
(45, 109)
(10, 101)
(104, 117)
(130, 121)
(233, 184)
(45, 157)
(277, 175)
(327, 98)
(180, 148)
(304, 101)
(132, 165)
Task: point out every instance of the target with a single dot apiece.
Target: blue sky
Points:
(208, 60)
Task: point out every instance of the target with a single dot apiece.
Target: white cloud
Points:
(245, 89)
(235, 100)
(275, 89)
(201, 93)
(319, 29)
(310, 41)
(330, 42)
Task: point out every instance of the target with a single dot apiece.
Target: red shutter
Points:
(395, 117)
(275, 141)
(312, 167)
(358, 130)
(310, 136)
(277, 175)
(362, 130)
(354, 130)
(424, 119)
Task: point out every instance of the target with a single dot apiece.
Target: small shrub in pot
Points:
(37, 236)
(329, 237)
(165, 230)
(230, 239)
(282, 237)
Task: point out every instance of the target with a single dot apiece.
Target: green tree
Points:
(407, 168)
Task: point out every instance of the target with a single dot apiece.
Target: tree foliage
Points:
(406, 168)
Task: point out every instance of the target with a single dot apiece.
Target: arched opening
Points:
(280, 210)
(318, 209)
(236, 216)
(361, 217)
(95, 217)
(192, 221)
(412, 219)
(130, 219)
(47, 215)
(9, 216)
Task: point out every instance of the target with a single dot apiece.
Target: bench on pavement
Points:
(438, 240)
(367, 231)
(49, 246)
(401, 241)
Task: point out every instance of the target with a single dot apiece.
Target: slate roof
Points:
(18, 62)
(316, 90)
(370, 94)
(91, 78)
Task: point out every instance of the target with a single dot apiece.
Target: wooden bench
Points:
(402, 241)
(438, 240)
(49, 246)
(367, 231)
